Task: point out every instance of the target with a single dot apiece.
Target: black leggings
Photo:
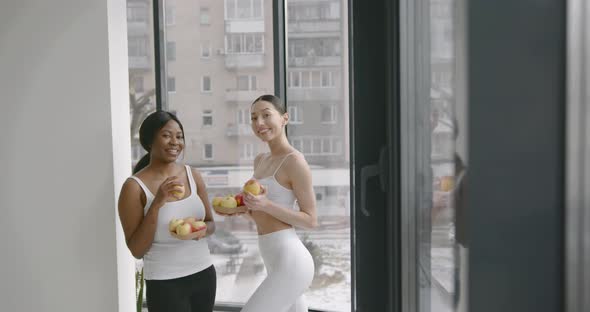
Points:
(193, 293)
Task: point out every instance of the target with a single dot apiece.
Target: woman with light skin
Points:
(179, 274)
(286, 179)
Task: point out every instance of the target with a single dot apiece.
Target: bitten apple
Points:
(174, 223)
(183, 229)
(178, 192)
(253, 187)
(239, 199)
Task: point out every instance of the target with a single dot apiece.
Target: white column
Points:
(64, 153)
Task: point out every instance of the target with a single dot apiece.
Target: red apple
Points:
(198, 225)
(240, 199)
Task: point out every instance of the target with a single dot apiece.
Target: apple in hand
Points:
(240, 199)
(174, 223)
(253, 187)
(190, 220)
(228, 202)
(178, 191)
(183, 229)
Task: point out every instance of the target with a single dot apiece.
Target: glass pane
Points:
(309, 62)
(219, 142)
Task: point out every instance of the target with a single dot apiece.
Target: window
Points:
(171, 84)
(171, 51)
(208, 151)
(205, 50)
(318, 145)
(170, 15)
(244, 43)
(246, 82)
(138, 46)
(312, 79)
(328, 113)
(295, 114)
(243, 9)
(206, 84)
(207, 118)
(205, 16)
(310, 47)
(247, 151)
(137, 13)
(243, 116)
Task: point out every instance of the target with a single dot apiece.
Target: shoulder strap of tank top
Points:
(191, 180)
(281, 164)
(145, 189)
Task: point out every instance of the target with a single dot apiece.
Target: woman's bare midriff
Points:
(267, 224)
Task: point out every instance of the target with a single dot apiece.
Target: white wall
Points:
(61, 79)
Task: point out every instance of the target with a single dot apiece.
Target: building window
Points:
(137, 13)
(243, 43)
(205, 16)
(205, 50)
(247, 151)
(297, 144)
(207, 118)
(311, 47)
(137, 46)
(243, 9)
(170, 15)
(312, 79)
(206, 84)
(295, 114)
(171, 51)
(243, 116)
(328, 113)
(171, 84)
(246, 82)
(208, 151)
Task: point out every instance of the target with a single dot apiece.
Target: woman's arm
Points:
(139, 229)
(202, 192)
(300, 173)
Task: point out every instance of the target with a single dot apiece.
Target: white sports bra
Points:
(277, 193)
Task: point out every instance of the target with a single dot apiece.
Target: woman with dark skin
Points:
(179, 274)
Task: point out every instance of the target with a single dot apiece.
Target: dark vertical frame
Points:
(279, 48)
(159, 55)
(516, 147)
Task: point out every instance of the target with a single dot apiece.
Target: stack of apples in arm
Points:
(231, 204)
(187, 228)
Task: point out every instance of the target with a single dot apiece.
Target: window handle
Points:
(369, 171)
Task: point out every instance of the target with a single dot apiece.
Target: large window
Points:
(211, 93)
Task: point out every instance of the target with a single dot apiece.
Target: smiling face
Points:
(168, 142)
(267, 122)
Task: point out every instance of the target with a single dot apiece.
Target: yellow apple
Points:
(217, 201)
(228, 202)
(252, 187)
(178, 191)
(174, 223)
(183, 229)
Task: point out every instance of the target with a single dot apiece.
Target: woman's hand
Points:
(165, 193)
(257, 202)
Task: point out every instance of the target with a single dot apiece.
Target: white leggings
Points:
(289, 268)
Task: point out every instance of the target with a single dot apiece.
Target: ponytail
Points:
(142, 163)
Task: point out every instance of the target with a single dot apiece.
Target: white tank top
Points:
(277, 193)
(169, 257)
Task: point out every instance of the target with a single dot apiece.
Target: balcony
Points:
(244, 26)
(315, 26)
(139, 62)
(312, 61)
(237, 96)
(244, 60)
(234, 130)
(314, 94)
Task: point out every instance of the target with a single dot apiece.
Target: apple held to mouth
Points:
(178, 192)
(253, 187)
